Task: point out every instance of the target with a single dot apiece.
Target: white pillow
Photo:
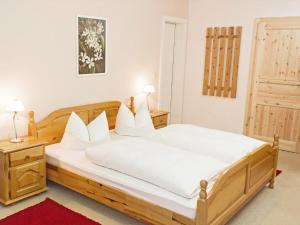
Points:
(143, 119)
(128, 125)
(124, 121)
(98, 129)
(78, 136)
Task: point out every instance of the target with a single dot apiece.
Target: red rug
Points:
(47, 212)
(278, 172)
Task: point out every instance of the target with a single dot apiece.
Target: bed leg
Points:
(271, 184)
(275, 147)
(201, 214)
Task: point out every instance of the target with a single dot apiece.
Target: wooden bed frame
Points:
(232, 190)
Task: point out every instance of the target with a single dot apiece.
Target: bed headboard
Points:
(51, 129)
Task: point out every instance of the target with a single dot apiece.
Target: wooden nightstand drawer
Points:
(160, 120)
(26, 156)
(27, 178)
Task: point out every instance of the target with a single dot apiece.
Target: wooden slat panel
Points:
(221, 61)
(236, 56)
(214, 62)
(228, 62)
(207, 60)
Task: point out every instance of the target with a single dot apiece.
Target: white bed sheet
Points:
(75, 161)
(221, 145)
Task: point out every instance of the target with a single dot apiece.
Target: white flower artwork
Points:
(91, 46)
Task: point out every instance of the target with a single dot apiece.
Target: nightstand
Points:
(22, 170)
(159, 118)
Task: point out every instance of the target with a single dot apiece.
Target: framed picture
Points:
(91, 46)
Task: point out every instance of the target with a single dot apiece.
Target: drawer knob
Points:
(27, 157)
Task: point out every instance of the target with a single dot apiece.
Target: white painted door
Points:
(172, 72)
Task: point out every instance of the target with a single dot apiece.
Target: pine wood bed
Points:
(232, 190)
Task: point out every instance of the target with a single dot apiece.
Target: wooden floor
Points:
(270, 207)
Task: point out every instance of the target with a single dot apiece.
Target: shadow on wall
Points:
(6, 125)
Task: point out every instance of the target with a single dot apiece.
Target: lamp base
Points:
(16, 140)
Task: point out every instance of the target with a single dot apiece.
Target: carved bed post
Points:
(131, 105)
(201, 214)
(275, 147)
(31, 125)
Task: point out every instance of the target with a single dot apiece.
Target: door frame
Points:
(251, 77)
(179, 22)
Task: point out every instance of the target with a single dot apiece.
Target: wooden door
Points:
(274, 90)
(27, 178)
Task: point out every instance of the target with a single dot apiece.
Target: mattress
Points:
(75, 161)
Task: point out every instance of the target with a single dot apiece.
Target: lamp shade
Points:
(149, 89)
(15, 106)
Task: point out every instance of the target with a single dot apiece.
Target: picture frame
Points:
(91, 42)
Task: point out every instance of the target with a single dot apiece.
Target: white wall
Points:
(215, 112)
(38, 51)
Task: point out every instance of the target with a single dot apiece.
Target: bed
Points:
(75, 161)
(216, 203)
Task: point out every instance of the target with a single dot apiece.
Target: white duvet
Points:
(221, 145)
(172, 169)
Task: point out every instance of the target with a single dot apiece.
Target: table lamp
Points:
(149, 89)
(15, 106)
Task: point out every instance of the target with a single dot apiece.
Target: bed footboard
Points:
(237, 185)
